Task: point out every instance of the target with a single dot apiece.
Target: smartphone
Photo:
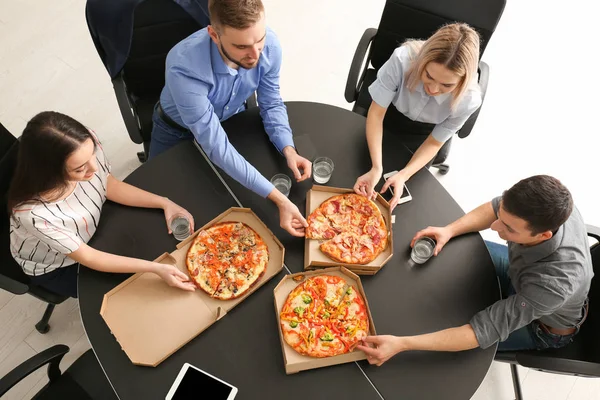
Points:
(191, 380)
(406, 196)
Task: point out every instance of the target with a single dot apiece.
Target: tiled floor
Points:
(537, 118)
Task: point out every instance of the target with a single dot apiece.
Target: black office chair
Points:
(158, 25)
(83, 380)
(579, 358)
(418, 19)
(12, 277)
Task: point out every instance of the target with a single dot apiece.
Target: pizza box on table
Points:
(296, 362)
(152, 320)
(314, 257)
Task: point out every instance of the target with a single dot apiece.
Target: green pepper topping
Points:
(306, 298)
(327, 337)
(349, 291)
(299, 311)
(326, 315)
(293, 324)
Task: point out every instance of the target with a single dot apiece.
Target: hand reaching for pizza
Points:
(441, 236)
(172, 209)
(291, 219)
(397, 182)
(296, 163)
(174, 277)
(366, 183)
(380, 348)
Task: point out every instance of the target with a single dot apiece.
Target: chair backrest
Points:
(8, 160)
(589, 336)
(158, 25)
(419, 19)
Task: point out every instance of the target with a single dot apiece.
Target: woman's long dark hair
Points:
(47, 142)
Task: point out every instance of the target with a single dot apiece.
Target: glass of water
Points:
(422, 250)
(322, 169)
(283, 183)
(180, 227)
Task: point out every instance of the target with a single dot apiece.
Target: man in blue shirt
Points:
(208, 78)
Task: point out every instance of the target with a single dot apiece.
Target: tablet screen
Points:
(196, 382)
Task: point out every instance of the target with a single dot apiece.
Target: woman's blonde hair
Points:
(455, 46)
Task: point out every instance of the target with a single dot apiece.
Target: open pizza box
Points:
(296, 362)
(152, 320)
(314, 257)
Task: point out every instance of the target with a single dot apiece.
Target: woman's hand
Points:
(366, 183)
(397, 182)
(173, 210)
(174, 277)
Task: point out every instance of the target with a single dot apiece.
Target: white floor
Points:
(538, 117)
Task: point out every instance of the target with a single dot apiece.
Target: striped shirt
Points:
(42, 234)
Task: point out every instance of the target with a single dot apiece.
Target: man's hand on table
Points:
(290, 217)
(381, 348)
(300, 166)
(441, 236)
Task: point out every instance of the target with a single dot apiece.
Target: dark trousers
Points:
(413, 133)
(61, 281)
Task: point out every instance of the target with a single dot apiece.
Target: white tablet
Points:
(193, 383)
(406, 196)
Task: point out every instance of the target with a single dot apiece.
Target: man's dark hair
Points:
(541, 200)
(237, 14)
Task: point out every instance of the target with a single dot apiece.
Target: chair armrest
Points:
(131, 122)
(484, 74)
(352, 82)
(593, 231)
(51, 356)
(13, 286)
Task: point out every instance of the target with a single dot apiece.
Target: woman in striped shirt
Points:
(61, 181)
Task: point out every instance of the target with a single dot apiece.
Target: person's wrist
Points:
(164, 202)
(377, 169)
(404, 175)
(277, 197)
(401, 344)
(289, 150)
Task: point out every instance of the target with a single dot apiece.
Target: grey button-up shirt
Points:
(551, 280)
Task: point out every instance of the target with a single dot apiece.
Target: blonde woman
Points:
(433, 82)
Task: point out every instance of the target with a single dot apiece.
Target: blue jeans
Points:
(532, 336)
(164, 136)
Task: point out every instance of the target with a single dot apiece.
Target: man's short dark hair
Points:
(237, 14)
(541, 200)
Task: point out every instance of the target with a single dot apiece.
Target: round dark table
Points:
(404, 299)
(242, 348)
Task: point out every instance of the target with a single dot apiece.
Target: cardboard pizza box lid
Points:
(314, 257)
(137, 310)
(295, 362)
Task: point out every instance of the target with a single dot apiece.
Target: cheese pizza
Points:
(226, 259)
(324, 316)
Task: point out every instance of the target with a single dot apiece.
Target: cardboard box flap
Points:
(138, 310)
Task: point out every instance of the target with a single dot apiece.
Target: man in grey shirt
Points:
(545, 274)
